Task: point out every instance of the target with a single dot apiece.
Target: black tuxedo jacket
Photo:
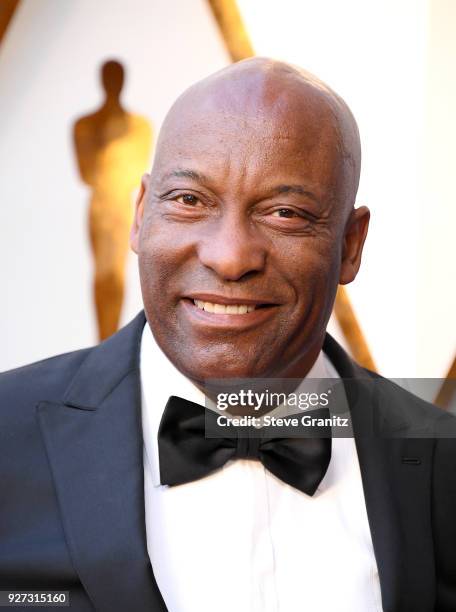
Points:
(71, 478)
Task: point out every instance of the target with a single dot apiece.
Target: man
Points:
(243, 230)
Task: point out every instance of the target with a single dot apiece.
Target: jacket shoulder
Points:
(398, 407)
(421, 417)
(42, 380)
(90, 373)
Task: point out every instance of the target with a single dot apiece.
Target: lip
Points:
(220, 299)
(212, 320)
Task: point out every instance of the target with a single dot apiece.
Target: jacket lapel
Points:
(95, 448)
(397, 493)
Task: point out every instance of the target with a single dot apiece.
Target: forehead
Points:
(254, 132)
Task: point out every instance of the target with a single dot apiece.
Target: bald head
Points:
(274, 97)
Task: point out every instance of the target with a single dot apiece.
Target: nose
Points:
(233, 250)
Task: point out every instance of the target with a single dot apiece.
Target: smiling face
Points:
(245, 226)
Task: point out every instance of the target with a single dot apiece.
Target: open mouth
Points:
(214, 313)
(228, 309)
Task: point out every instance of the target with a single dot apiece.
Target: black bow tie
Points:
(185, 453)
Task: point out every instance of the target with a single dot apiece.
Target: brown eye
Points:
(188, 199)
(284, 212)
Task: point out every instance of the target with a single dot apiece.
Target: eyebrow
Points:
(298, 189)
(185, 173)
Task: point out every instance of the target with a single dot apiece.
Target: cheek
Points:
(311, 267)
(160, 254)
(157, 272)
(313, 276)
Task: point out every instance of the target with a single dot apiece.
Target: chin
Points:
(223, 366)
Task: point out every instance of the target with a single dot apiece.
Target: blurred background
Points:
(393, 61)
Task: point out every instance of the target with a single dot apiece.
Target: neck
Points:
(112, 103)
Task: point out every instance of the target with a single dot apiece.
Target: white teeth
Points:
(223, 308)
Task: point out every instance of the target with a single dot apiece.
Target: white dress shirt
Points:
(240, 539)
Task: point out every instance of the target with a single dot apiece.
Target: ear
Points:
(354, 237)
(139, 212)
